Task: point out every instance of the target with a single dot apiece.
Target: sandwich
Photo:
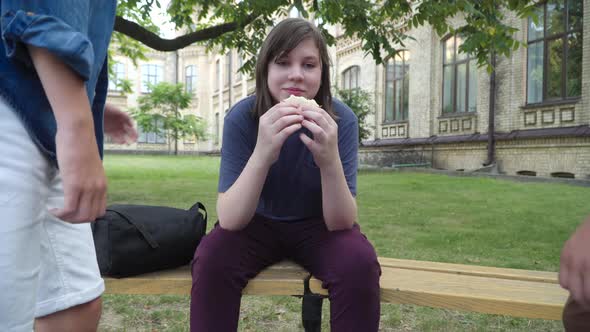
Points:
(301, 101)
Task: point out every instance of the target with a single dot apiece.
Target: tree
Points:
(160, 112)
(361, 103)
(242, 25)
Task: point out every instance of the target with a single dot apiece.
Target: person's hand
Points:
(118, 125)
(278, 123)
(84, 180)
(324, 145)
(574, 269)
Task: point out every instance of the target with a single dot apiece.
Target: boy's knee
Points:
(89, 314)
(83, 317)
(93, 308)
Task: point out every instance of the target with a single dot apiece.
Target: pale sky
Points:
(160, 18)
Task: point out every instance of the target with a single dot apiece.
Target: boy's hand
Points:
(118, 125)
(574, 269)
(84, 181)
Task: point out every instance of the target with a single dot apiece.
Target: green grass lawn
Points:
(433, 217)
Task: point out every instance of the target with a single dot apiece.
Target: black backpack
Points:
(136, 239)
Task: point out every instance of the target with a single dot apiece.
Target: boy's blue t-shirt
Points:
(77, 32)
(292, 190)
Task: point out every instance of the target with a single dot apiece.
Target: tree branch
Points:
(150, 39)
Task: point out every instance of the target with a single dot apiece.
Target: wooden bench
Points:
(410, 158)
(518, 293)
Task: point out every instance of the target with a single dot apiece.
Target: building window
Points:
(118, 76)
(333, 75)
(150, 74)
(238, 72)
(228, 72)
(216, 129)
(152, 137)
(554, 53)
(397, 87)
(190, 78)
(459, 78)
(217, 74)
(350, 78)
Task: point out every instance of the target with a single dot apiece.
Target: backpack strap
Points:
(146, 235)
(199, 206)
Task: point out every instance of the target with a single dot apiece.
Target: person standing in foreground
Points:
(53, 84)
(574, 275)
(287, 189)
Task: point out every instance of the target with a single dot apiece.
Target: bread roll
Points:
(301, 101)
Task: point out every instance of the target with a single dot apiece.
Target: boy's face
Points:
(297, 73)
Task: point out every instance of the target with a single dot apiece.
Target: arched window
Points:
(151, 137)
(190, 78)
(240, 64)
(554, 52)
(228, 73)
(118, 75)
(350, 78)
(397, 87)
(459, 78)
(217, 75)
(152, 74)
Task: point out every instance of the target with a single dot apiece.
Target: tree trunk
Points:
(176, 142)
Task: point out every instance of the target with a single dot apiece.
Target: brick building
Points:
(431, 103)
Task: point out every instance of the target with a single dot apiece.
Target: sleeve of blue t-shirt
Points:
(348, 147)
(49, 25)
(237, 145)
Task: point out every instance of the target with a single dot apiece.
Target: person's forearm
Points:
(586, 222)
(236, 206)
(65, 91)
(339, 206)
(84, 181)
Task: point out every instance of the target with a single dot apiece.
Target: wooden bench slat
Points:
(484, 271)
(519, 293)
(284, 278)
(174, 282)
(517, 298)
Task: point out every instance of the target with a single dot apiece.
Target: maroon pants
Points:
(345, 261)
(575, 317)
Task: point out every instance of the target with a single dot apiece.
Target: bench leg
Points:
(311, 312)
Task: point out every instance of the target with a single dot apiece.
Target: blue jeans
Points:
(345, 261)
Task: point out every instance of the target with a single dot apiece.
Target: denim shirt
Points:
(75, 31)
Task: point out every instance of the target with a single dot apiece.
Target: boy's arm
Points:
(78, 157)
(574, 269)
(119, 125)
